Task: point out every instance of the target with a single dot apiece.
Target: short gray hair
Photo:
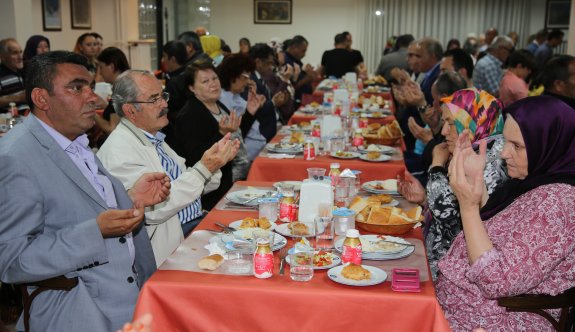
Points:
(4, 50)
(501, 41)
(126, 90)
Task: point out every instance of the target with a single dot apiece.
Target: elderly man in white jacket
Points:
(136, 147)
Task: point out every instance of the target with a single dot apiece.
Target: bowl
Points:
(386, 229)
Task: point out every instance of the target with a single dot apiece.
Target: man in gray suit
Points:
(68, 230)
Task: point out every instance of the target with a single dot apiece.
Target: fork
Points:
(283, 255)
(226, 229)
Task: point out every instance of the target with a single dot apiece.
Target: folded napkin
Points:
(280, 156)
(214, 248)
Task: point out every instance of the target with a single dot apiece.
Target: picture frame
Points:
(51, 15)
(81, 14)
(557, 14)
(272, 11)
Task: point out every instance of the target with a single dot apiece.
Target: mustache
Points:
(163, 112)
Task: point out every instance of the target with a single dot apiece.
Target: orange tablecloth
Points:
(191, 301)
(268, 169)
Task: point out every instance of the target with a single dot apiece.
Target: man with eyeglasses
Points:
(137, 146)
(489, 69)
(70, 234)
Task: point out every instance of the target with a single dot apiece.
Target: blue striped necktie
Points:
(173, 170)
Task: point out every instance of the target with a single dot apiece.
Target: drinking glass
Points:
(268, 208)
(341, 194)
(301, 265)
(324, 232)
(239, 262)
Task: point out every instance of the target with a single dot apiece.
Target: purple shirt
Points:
(83, 157)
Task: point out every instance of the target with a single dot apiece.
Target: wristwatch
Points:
(422, 109)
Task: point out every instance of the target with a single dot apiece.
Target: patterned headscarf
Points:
(477, 111)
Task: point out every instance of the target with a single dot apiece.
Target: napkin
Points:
(214, 248)
(280, 156)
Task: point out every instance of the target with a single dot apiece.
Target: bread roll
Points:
(248, 223)
(264, 223)
(380, 199)
(211, 262)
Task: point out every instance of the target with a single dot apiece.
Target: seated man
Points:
(65, 221)
(136, 146)
(11, 75)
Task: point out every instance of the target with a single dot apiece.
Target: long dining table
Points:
(264, 168)
(210, 301)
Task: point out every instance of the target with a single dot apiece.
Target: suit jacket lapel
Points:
(61, 159)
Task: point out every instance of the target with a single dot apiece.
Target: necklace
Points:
(219, 111)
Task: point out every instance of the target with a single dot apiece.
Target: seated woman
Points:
(526, 243)
(87, 45)
(202, 122)
(234, 73)
(35, 45)
(480, 114)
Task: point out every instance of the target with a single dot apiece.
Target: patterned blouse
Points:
(444, 208)
(533, 252)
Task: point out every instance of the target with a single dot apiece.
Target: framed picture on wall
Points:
(272, 11)
(52, 15)
(81, 14)
(558, 12)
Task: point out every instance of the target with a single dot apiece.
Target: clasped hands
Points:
(229, 123)
(220, 153)
(466, 172)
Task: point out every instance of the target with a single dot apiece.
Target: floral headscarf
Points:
(477, 111)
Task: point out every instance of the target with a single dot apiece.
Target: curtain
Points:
(440, 19)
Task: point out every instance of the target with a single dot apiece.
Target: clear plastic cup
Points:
(239, 262)
(301, 265)
(268, 208)
(313, 173)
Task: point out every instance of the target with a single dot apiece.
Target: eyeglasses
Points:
(164, 96)
(510, 50)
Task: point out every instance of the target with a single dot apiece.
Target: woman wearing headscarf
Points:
(479, 113)
(35, 45)
(212, 46)
(523, 239)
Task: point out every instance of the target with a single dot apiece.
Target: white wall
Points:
(317, 20)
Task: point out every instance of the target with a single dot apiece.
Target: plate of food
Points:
(322, 260)
(241, 240)
(249, 223)
(380, 247)
(285, 147)
(247, 197)
(344, 154)
(296, 229)
(357, 275)
(296, 184)
(381, 187)
(377, 148)
(374, 156)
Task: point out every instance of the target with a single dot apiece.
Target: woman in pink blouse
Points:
(527, 243)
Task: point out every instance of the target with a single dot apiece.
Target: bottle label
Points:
(309, 152)
(287, 212)
(263, 265)
(363, 122)
(351, 255)
(357, 141)
(316, 132)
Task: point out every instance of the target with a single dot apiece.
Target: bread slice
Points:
(379, 215)
(357, 204)
(355, 272)
(211, 262)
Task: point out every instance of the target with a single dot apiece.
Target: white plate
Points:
(335, 261)
(236, 224)
(381, 158)
(372, 187)
(279, 241)
(346, 155)
(292, 148)
(377, 276)
(380, 148)
(296, 184)
(285, 231)
(244, 197)
(373, 244)
(380, 256)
